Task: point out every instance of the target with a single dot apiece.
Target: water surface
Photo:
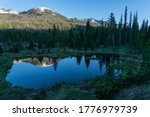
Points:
(40, 72)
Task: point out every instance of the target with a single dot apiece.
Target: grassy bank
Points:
(106, 87)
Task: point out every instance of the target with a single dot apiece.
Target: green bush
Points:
(106, 88)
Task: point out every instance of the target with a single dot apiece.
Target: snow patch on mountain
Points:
(8, 11)
(92, 20)
(43, 9)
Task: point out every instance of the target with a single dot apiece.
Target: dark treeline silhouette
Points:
(107, 34)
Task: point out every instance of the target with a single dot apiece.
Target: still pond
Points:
(45, 71)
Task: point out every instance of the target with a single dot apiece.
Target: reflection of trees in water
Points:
(87, 62)
(107, 60)
(79, 58)
(55, 64)
(100, 65)
(87, 59)
(103, 59)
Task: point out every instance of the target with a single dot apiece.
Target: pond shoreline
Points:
(60, 91)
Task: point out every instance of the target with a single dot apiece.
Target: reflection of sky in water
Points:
(32, 76)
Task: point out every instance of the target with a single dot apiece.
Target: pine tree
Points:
(71, 37)
(88, 35)
(120, 29)
(88, 26)
(125, 18)
(146, 60)
(143, 29)
(112, 29)
(103, 35)
(135, 30)
(125, 35)
(54, 35)
(31, 45)
(147, 31)
(142, 36)
(130, 29)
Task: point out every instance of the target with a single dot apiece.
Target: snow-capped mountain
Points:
(92, 20)
(47, 12)
(42, 9)
(8, 11)
(39, 10)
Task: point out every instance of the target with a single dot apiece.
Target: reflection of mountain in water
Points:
(103, 60)
(44, 71)
(41, 62)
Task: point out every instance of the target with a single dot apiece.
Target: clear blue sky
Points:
(84, 8)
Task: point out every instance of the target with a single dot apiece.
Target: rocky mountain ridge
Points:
(8, 11)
